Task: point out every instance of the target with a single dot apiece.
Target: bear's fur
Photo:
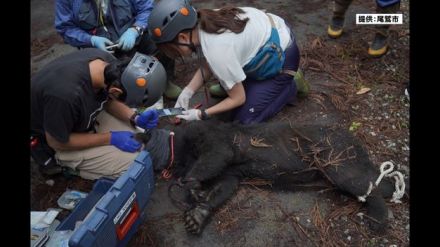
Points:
(211, 158)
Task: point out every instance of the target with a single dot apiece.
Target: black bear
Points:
(211, 158)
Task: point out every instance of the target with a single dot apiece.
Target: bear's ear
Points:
(142, 137)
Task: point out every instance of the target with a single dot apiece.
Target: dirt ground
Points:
(337, 70)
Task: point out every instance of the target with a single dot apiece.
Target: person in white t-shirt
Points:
(229, 39)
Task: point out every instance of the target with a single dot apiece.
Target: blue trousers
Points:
(266, 98)
(385, 3)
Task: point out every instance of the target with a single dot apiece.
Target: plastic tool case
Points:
(113, 211)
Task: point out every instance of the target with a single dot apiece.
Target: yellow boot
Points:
(337, 23)
(379, 46)
(380, 43)
(335, 28)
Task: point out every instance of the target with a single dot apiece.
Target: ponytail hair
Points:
(210, 21)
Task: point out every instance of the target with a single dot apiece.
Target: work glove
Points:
(125, 141)
(184, 97)
(100, 42)
(128, 39)
(190, 115)
(147, 119)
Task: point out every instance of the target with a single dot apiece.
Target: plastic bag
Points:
(70, 199)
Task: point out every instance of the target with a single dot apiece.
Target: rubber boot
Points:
(217, 91)
(379, 46)
(173, 91)
(337, 22)
(302, 85)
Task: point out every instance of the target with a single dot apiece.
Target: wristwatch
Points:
(139, 29)
(133, 118)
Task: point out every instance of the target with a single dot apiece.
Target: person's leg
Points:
(266, 98)
(337, 22)
(96, 162)
(379, 46)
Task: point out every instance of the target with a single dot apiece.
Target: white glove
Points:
(184, 97)
(190, 115)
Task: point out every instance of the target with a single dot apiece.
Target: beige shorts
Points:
(102, 161)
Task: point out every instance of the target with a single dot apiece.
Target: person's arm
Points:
(59, 118)
(146, 120)
(124, 140)
(236, 97)
(78, 141)
(194, 85)
(143, 9)
(66, 27)
(119, 110)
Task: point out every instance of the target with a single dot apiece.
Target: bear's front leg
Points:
(196, 218)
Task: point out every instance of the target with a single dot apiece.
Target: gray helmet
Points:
(169, 17)
(144, 80)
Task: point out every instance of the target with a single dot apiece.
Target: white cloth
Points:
(228, 53)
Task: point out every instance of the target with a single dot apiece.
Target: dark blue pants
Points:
(266, 98)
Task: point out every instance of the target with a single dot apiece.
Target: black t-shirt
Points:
(62, 98)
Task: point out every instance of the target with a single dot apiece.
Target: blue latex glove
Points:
(128, 38)
(125, 141)
(100, 42)
(147, 119)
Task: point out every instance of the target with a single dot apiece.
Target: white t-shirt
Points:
(228, 53)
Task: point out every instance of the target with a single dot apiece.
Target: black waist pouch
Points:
(43, 154)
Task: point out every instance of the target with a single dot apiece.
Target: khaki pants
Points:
(96, 162)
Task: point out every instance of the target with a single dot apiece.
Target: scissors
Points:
(112, 48)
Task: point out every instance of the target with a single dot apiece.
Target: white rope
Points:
(399, 182)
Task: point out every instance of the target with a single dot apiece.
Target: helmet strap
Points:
(191, 44)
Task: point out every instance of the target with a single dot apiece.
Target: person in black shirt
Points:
(68, 97)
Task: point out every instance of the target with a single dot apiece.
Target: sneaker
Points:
(217, 91)
(379, 46)
(69, 172)
(173, 91)
(335, 28)
(302, 85)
